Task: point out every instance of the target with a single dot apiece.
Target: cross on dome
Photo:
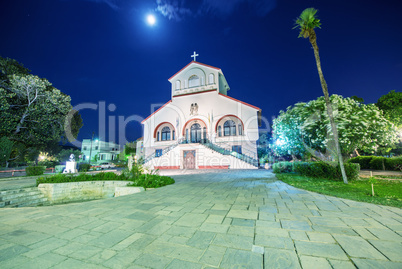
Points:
(194, 55)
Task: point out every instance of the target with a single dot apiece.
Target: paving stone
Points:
(101, 257)
(215, 228)
(280, 258)
(274, 242)
(45, 246)
(214, 219)
(314, 262)
(363, 232)
(320, 237)
(201, 239)
(13, 251)
(358, 247)
(181, 231)
(160, 248)
(178, 264)
(235, 258)
(233, 241)
(85, 252)
(337, 264)
(272, 231)
(186, 253)
(241, 230)
(296, 225)
(375, 264)
(141, 216)
(332, 251)
(385, 234)
(126, 242)
(392, 250)
(243, 222)
(266, 216)
(266, 223)
(334, 230)
(191, 220)
(111, 238)
(243, 214)
(298, 235)
(123, 259)
(213, 255)
(73, 263)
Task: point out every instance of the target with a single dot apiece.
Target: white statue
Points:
(72, 158)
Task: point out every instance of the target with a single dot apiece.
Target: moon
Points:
(151, 20)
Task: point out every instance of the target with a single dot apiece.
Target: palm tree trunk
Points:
(313, 41)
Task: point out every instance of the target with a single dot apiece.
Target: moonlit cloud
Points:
(172, 9)
(177, 10)
(111, 3)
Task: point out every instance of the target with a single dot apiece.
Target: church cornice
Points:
(156, 111)
(241, 102)
(193, 62)
(191, 93)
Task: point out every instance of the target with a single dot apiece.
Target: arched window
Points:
(195, 135)
(219, 131)
(211, 79)
(204, 132)
(173, 138)
(165, 133)
(193, 81)
(157, 136)
(177, 85)
(240, 129)
(229, 128)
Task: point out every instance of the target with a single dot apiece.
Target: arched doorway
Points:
(195, 133)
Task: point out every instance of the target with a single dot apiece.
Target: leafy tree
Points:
(33, 112)
(391, 105)
(6, 147)
(307, 22)
(64, 154)
(305, 129)
(130, 148)
(358, 99)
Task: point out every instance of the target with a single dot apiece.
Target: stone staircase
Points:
(22, 197)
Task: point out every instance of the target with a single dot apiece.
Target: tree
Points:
(65, 154)
(391, 105)
(304, 129)
(33, 112)
(307, 22)
(6, 147)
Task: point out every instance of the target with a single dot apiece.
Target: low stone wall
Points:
(58, 193)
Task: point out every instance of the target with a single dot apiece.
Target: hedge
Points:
(282, 167)
(84, 167)
(329, 170)
(35, 170)
(378, 162)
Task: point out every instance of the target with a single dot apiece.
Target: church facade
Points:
(201, 127)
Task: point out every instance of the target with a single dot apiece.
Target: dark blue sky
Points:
(103, 50)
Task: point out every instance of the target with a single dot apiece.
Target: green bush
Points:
(59, 168)
(283, 167)
(394, 163)
(377, 163)
(364, 161)
(62, 178)
(35, 170)
(152, 181)
(329, 170)
(84, 167)
(48, 164)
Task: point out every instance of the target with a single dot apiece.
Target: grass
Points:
(387, 192)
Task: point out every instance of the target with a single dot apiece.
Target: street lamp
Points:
(90, 149)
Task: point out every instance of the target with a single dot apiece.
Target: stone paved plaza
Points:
(226, 219)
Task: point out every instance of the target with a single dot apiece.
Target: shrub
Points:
(35, 170)
(394, 163)
(48, 164)
(377, 163)
(59, 168)
(84, 167)
(152, 181)
(283, 167)
(62, 178)
(329, 170)
(364, 161)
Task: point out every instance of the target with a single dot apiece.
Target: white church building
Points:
(201, 127)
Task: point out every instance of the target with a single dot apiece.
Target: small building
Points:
(201, 127)
(101, 151)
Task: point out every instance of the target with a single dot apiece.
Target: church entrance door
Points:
(195, 135)
(189, 159)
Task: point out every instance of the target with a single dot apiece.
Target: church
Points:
(201, 127)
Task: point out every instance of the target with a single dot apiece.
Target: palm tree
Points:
(307, 22)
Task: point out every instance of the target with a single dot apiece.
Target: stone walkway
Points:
(230, 219)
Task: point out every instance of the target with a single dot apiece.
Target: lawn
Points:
(387, 192)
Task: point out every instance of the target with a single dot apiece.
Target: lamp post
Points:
(90, 148)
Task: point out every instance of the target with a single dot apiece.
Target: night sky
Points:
(104, 51)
